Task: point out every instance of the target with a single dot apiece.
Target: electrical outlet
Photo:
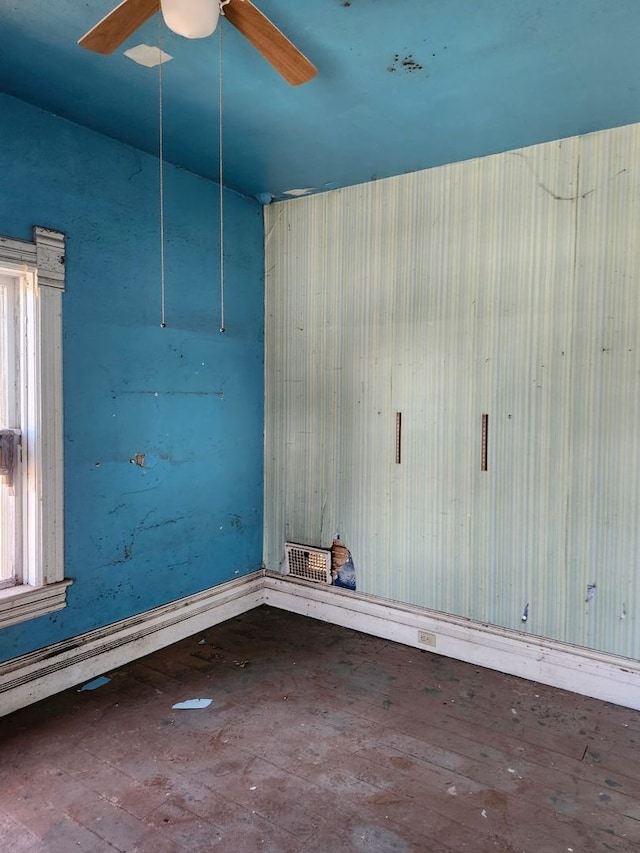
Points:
(426, 638)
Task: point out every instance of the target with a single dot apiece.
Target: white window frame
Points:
(40, 265)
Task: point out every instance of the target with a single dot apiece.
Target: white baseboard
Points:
(590, 673)
(39, 674)
(34, 676)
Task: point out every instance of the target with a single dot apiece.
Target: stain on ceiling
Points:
(402, 85)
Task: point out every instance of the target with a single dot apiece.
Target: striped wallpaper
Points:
(508, 287)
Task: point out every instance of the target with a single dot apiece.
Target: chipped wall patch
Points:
(264, 198)
(147, 55)
(343, 572)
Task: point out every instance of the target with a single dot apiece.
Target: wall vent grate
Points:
(310, 564)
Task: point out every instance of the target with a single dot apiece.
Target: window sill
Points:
(20, 603)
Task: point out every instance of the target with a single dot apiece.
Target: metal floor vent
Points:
(310, 564)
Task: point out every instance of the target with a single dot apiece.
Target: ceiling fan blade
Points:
(272, 44)
(118, 25)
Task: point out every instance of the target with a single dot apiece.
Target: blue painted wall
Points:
(187, 397)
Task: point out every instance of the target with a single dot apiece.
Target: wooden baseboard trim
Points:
(579, 670)
(34, 676)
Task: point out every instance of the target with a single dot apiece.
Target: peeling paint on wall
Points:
(299, 192)
(343, 572)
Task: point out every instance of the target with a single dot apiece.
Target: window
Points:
(31, 473)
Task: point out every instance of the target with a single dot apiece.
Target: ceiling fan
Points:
(198, 19)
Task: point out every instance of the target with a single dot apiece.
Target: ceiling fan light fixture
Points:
(193, 19)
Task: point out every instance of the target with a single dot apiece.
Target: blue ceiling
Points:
(402, 84)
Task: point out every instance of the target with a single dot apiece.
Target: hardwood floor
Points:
(317, 739)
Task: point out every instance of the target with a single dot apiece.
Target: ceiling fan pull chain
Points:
(163, 324)
(220, 179)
